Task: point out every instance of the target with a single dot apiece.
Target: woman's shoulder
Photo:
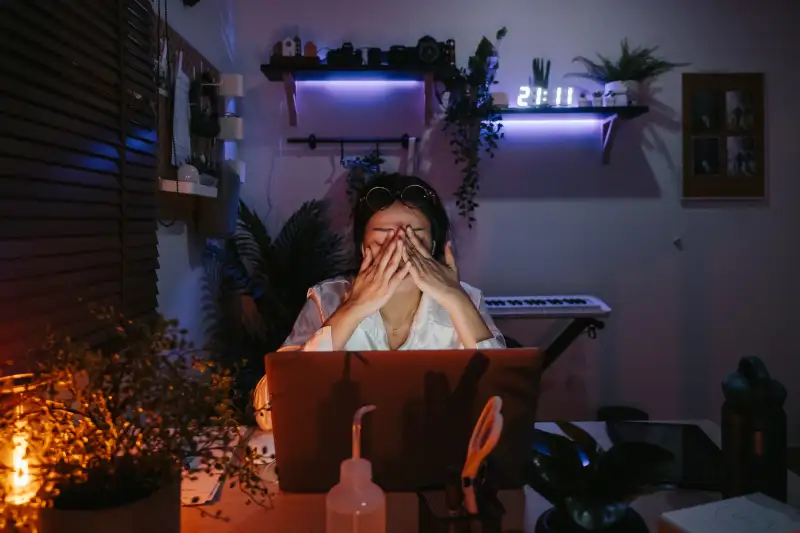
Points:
(337, 285)
(474, 293)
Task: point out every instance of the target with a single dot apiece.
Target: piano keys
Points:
(559, 306)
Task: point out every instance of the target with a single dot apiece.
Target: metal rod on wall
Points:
(312, 140)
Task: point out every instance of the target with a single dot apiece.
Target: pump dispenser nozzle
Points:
(356, 504)
(357, 429)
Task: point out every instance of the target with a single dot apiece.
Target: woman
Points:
(406, 294)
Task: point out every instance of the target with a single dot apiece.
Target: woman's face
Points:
(388, 222)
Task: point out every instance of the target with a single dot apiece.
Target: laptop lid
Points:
(427, 401)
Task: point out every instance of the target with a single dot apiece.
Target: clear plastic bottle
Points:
(356, 504)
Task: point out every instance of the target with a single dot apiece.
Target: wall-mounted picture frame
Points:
(723, 136)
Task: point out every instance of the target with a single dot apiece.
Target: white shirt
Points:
(432, 329)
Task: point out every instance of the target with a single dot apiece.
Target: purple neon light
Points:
(356, 85)
(537, 122)
(551, 123)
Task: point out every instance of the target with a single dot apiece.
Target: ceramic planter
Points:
(625, 92)
(634, 91)
(158, 513)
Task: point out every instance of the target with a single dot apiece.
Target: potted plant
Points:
(256, 285)
(541, 73)
(624, 76)
(101, 438)
(471, 119)
(590, 488)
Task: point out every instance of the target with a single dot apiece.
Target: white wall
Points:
(551, 219)
(209, 27)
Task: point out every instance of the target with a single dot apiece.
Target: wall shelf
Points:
(187, 188)
(290, 75)
(606, 116)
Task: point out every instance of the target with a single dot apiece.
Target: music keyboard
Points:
(562, 306)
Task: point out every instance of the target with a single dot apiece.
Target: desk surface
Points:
(305, 513)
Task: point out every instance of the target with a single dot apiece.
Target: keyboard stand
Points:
(572, 331)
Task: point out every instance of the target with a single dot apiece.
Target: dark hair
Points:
(432, 208)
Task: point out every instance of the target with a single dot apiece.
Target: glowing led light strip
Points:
(360, 84)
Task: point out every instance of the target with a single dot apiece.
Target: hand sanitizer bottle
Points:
(356, 504)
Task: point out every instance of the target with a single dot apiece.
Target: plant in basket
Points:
(94, 431)
(591, 488)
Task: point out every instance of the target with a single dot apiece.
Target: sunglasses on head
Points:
(413, 196)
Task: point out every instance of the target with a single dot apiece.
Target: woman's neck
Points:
(401, 307)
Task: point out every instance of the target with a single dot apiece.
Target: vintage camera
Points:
(375, 57)
(431, 52)
(402, 56)
(346, 56)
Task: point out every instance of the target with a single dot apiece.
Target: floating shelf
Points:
(622, 112)
(187, 187)
(290, 75)
(607, 116)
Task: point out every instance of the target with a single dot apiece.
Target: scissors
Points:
(483, 441)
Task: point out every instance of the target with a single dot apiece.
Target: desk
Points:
(305, 513)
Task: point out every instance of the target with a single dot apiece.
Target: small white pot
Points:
(597, 101)
(633, 90)
(158, 513)
(614, 87)
(615, 100)
(626, 92)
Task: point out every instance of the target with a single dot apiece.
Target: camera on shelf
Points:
(346, 56)
(431, 52)
(427, 53)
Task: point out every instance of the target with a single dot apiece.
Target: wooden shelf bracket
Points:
(430, 97)
(608, 133)
(290, 87)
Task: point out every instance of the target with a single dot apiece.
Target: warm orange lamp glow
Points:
(22, 489)
(20, 485)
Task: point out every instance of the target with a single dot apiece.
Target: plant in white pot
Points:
(622, 78)
(109, 434)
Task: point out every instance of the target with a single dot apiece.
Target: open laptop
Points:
(427, 403)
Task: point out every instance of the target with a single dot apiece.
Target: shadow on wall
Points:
(564, 394)
(543, 158)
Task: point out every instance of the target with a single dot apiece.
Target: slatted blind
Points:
(78, 154)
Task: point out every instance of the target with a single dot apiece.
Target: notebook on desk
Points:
(427, 405)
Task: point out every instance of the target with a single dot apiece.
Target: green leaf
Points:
(556, 470)
(587, 444)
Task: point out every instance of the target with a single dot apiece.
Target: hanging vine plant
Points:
(471, 119)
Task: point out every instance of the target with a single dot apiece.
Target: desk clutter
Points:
(357, 505)
(428, 52)
(754, 513)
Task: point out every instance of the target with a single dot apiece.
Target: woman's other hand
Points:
(379, 276)
(439, 281)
